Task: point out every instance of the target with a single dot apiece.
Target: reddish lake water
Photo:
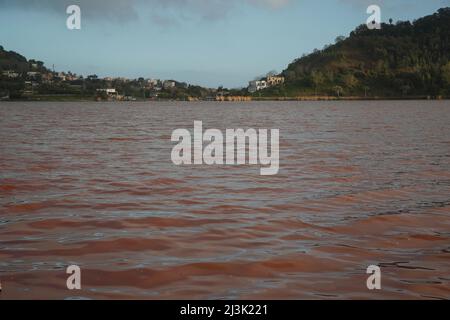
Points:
(93, 184)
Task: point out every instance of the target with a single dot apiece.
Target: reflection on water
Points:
(92, 184)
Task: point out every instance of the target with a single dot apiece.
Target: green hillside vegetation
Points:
(400, 60)
(12, 61)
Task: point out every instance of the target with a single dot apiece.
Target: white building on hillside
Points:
(257, 85)
(10, 74)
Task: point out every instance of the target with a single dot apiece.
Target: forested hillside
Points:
(401, 59)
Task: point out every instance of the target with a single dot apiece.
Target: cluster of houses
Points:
(158, 85)
(149, 84)
(39, 76)
(49, 77)
(11, 74)
(33, 79)
(264, 83)
(153, 86)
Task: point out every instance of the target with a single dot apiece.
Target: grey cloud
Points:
(160, 11)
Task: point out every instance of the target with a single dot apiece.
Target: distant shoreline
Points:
(71, 98)
(349, 98)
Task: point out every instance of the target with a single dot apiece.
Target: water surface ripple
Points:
(92, 184)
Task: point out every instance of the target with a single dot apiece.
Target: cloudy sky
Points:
(206, 42)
